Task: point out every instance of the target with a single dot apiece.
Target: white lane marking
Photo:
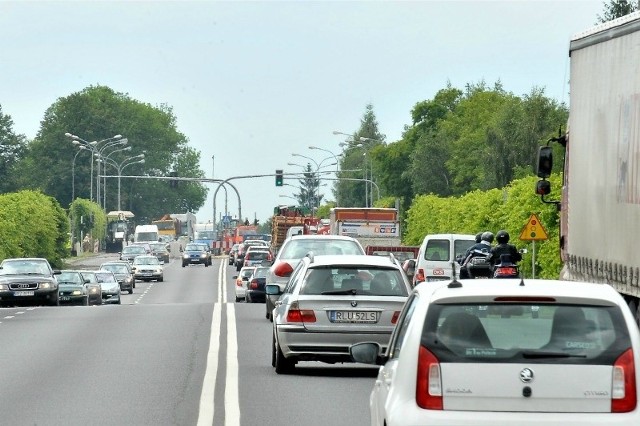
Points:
(31, 309)
(19, 313)
(9, 317)
(207, 406)
(220, 283)
(144, 292)
(223, 282)
(231, 389)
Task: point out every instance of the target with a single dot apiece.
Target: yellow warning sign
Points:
(533, 230)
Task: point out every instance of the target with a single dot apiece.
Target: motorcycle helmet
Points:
(487, 236)
(478, 237)
(502, 236)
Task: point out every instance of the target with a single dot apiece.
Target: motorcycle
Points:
(476, 265)
(506, 268)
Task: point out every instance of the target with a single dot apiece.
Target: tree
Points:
(99, 112)
(12, 148)
(309, 196)
(358, 156)
(616, 9)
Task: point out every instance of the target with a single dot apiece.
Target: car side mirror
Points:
(545, 162)
(273, 289)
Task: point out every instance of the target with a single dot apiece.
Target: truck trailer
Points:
(600, 201)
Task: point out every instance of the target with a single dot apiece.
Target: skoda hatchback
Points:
(508, 352)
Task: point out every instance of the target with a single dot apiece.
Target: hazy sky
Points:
(253, 82)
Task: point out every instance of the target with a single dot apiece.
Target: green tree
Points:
(358, 156)
(617, 9)
(12, 147)
(99, 112)
(309, 196)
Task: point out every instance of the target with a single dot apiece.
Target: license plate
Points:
(353, 316)
(146, 273)
(64, 298)
(23, 293)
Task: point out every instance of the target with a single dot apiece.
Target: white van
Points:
(436, 253)
(146, 234)
(295, 230)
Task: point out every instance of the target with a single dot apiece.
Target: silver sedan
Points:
(332, 302)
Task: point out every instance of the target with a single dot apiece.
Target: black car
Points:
(161, 251)
(129, 253)
(256, 285)
(72, 288)
(93, 287)
(196, 253)
(28, 281)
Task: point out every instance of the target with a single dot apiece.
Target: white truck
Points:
(600, 202)
(371, 226)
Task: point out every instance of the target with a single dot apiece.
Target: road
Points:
(180, 352)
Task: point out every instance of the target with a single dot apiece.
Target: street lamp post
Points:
(92, 146)
(73, 172)
(139, 159)
(104, 178)
(99, 155)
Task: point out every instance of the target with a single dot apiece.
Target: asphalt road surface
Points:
(179, 352)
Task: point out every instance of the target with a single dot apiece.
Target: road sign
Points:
(533, 230)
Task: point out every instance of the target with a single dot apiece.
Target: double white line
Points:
(231, 391)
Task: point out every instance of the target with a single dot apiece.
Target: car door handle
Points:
(278, 303)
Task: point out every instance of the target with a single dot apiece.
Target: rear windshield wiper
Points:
(339, 292)
(538, 354)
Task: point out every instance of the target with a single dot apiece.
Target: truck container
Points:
(371, 226)
(600, 201)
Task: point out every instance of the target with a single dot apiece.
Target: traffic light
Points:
(278, 177)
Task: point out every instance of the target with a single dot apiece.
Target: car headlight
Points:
(128, 279)
(93, 290)
(44, 285)
(186, 255)
(76, 293)
(203, 255)
(4, 287)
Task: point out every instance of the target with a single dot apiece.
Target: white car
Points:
(241, 281)
(508, 352)
(147, 268)
(295, 248)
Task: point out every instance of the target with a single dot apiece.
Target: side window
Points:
(294, 277)
(397, 339)
(437, 250)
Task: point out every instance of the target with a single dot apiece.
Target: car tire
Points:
(273, 349)
(206, 264)
(161, 279)
(131, 290)
(55, 302)
(183, 265)
(282, 364)
(237, 299)
(134, 283)
(119, 302)
(85, 301)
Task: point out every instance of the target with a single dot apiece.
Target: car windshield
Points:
(24, 267)
(105, 278)
(194, 247)
(146, 261)
(91, 276)
(115, 268)
(525, 333)
(261, 272)
(351, 280)
(298, 248)
(133, 250)
(158, 247)
(245, 273)
(69, 278)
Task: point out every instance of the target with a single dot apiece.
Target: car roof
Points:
(353, 260)
(488, 289)
(145, 256)
(320, 237)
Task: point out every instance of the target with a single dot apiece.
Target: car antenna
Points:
(521, 281)
(454, 283)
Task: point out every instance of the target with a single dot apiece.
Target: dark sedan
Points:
(161, 251)
(72, 289)
(94, 290)
(196, 253)
(28, 281)
(256, 285)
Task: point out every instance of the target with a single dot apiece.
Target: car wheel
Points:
(161, 279)
(273, 349)
(183, 265)
(119, 302)
(206, 264)
(134, 284)
(131, 290)
(55, 302)
(237, 299)
(282, 364)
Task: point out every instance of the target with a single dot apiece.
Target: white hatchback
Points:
(508, 352)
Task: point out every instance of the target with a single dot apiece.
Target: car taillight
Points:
(295, 314)
(394, 318)
(623, 384)
(428, 383)
(419, 276)
(283, 269)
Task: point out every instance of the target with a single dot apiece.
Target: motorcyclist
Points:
(503, 247)
(486, 239)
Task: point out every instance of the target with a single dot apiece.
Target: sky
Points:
(252, 83)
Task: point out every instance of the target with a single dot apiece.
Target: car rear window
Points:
(515, 333)
(298, 248)
(352, 280)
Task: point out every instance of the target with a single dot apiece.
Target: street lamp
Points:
(107, 156)
(92, 146)
(139, 159)
(73, 171)
(99, 154)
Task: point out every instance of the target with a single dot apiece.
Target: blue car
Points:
(196, 253)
